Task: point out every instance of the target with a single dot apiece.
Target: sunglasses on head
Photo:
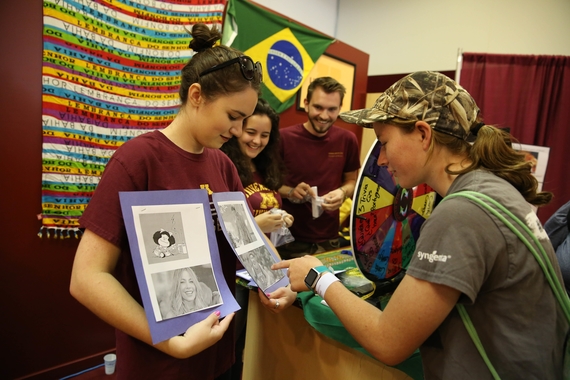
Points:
(248, 68)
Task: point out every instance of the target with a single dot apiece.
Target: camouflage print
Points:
(423, 95)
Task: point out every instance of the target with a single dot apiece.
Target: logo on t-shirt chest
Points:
(336, 154)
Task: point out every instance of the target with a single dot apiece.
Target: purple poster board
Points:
(177, 263)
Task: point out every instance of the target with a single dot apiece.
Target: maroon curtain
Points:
(531, 95)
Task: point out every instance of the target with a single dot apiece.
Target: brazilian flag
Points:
(286, 50)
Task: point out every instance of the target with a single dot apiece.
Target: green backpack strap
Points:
(541, 257)
(475, 337)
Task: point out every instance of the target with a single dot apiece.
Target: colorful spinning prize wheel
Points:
(386, 220)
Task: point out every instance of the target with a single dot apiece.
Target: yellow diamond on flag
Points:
(285, 63)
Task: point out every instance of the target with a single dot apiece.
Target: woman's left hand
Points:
(269, 222)
(279, 300)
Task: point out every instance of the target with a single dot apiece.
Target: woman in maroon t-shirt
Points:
(219, 89)
(256, 157)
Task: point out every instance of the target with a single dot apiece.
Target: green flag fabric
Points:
(286, 50)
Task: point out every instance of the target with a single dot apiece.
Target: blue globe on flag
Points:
(285, 65)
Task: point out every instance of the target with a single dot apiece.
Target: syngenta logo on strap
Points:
(431, 257)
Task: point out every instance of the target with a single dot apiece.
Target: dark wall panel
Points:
(42, 326)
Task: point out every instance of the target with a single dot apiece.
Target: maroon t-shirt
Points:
(260, 198)
(152, 162)
(321, 162)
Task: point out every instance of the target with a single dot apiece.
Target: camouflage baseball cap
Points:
(423, 95)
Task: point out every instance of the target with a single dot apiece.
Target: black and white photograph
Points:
(250, 245)
(185, 290)
(258, 263)
(238, 226)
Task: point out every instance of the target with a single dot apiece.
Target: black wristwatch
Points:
(313, 276)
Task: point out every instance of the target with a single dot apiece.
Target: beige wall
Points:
(412, 35)
(304, 12)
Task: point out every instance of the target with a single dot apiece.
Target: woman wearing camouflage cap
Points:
(431, 133)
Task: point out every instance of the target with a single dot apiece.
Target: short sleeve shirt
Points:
(152, 162)
(320, 162)
(504, 290)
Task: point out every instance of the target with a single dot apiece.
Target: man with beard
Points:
(317, 153)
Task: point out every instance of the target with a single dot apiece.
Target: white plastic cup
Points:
(110, 361)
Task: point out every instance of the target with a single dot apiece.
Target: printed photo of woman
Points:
(187, 294)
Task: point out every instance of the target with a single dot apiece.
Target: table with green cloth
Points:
(322, 318)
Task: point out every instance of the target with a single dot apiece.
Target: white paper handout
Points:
(249, 243)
